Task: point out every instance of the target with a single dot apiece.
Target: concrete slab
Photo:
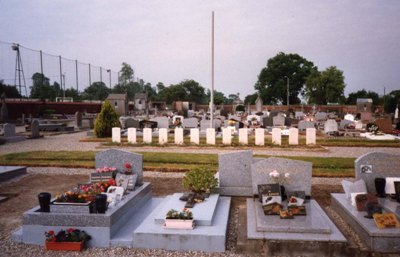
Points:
(313, 222)
(100, 226)
(203, 212)
(380, 240)
(150, 235)
(9, 172)
(124, 237)
(252, 233)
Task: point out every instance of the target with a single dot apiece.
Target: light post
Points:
(109, 72)
(287, 92)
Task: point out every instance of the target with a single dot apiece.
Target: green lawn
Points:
(177, 162)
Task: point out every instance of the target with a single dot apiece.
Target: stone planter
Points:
(179, 224)
(65, 246)
(63, 207)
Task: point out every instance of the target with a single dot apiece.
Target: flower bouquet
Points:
(103, 174)
(179, 220)
(66, 240)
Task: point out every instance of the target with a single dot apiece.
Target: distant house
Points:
(119, 102)
(140, 101)
(364, 105)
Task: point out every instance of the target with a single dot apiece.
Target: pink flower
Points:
(128, 166)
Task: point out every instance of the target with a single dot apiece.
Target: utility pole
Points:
(212, 73)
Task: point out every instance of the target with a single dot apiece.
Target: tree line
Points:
(282, 72)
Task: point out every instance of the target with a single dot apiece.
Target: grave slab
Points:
(150, 235)
(313, 222)
(9, 172)
(132, 135)
(380, 240)
(203, 212)
(334, 237)
(194, 136)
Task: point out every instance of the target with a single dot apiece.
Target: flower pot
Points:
(65, 246)
(101, 203)
(44, 201)
(179, 224)
(380, 184)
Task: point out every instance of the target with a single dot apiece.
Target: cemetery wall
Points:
(16, 109)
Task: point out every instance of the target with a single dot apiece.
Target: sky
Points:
(170, 41)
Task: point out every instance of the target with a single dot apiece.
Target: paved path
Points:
(70, 142)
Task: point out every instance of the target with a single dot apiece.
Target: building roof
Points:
(140, 96)
(117, 96)
(364, 100)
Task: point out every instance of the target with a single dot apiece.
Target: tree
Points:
(325, 87)
(9, 91)
(194, 91)
(151, 91)
(272, 80)
(41, 88)
(232, 98)
(126, 74)
(96, 91)
(352, 98)
(219, 97)
(70, 92)
(160, 86)
(173, 93)
(251, 99)
(392, 101)
(106, 120)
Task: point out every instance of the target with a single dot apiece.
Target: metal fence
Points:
(19, 63)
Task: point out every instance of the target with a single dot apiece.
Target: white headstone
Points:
(210, 136)
(293, 136)
(330, 126)
(243, 136)
(190, 123)
(116, 135)
(226, 136)
(349, 117)
(194, 136)
(358, 125)
(311, 137)
(179, 136)
(276, 136)
(132, 135)
(162, 136)
(147, 135)
(259, 132)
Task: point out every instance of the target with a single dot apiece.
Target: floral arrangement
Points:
(71, 197)
(106, 169)
(127, 170)
(279, 178)
(69, 235)
(185, 214)
(97, 188)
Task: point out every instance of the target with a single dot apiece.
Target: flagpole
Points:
(212, 73)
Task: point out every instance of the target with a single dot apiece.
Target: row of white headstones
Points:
(210, 136)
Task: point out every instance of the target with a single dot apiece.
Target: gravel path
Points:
(70, 142)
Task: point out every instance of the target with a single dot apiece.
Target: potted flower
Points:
(179, 220)
(200, 181)
(126, 178)
(66, 240)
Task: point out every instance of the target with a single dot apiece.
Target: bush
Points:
(106, 120)
(200, 180)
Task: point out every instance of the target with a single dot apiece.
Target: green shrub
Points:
(200, 180)
(106, 120)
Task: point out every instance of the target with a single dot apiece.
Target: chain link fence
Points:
(19, 63)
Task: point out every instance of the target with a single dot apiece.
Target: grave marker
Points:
(162, 136)
(132, 135)
(259, 136)
(293, 136)
(276, 136)
(147, 135)
(311, 137)
(178, 136)
(194, 136)
(243, 136)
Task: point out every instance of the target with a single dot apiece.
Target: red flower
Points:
(51, 232)
(70, 230)
(53, 239)
(128, 166)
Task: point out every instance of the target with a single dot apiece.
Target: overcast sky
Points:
(170, 41)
